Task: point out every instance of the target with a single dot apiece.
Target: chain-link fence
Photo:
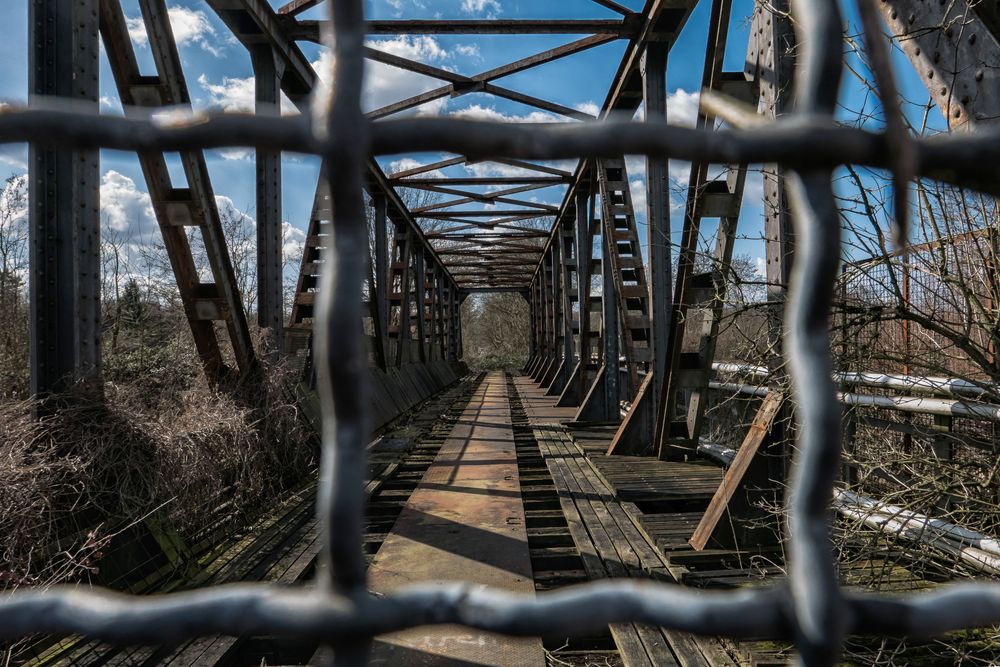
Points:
(337, 609)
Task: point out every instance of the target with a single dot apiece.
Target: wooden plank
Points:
(639, 479)
(759, 428)
(684, 649)
(591, 540)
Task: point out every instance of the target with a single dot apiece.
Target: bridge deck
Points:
(488, 482)
(464, 520)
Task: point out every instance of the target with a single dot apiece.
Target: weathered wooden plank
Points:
(733, 478)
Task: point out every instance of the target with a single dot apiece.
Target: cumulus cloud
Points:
(407, 163)
(500, 170)
(293, 243)
(638, 189)
(231, 94)
(488, 7)
(479, 112)
(589, 107)
(124, 207)
(385, 84)
(190, 26)
(469, 51)
(14, 156)
(682, 107)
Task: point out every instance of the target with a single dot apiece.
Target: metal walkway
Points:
(465, 518)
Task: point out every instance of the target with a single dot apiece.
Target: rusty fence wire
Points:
(337, 609)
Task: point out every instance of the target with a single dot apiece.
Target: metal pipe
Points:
(931, 383)
(918, 405)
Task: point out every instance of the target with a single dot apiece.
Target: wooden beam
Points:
(760, 427)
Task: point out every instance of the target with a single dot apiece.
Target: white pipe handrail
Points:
(914, 404)
(946, 386)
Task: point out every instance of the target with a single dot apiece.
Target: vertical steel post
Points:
(609, 331)
(420, 287)
(381, 272)
(440, 315)
(584, 254)
(571, 256)
(532, 324)
(64, 216)
(654, 92)
(270, 269)
(771, 59)
(775, 54)
(459, 300)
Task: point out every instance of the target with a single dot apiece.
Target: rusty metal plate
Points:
(464, 521)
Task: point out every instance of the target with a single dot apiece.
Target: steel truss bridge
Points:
(609, 309)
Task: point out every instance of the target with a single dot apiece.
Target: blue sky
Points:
(218, 74)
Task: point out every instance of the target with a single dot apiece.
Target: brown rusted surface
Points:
(465, 521)
(541, 409)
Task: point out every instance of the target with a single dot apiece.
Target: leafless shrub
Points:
(74, 476)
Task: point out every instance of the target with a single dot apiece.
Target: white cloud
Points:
(293, 243)
(407, 163)
(14, 156)
(479, 112)
(469, 51)
(190, 26)
(231, 94)
(682, 107)
(589, 108)
(422, 48)
(124, 207)
(490, 7)
(385, 84)
(638, 188)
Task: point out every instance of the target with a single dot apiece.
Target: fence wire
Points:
(337, 609)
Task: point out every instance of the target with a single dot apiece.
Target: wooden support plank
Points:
(759, 429)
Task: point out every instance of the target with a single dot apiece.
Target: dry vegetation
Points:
(160, 440)
(495, 330)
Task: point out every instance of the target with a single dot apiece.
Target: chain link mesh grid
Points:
(337, 609)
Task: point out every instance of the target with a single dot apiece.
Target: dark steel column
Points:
(420, 289)
(270, 269)
(654, 77)
(381, 273)
(65, 280)
(609, 331)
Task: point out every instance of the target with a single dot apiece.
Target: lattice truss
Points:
(592, 230)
